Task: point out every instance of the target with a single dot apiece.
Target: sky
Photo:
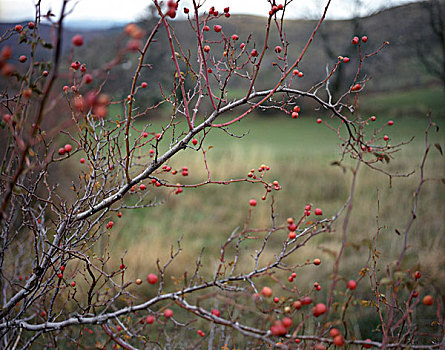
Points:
(132, 10)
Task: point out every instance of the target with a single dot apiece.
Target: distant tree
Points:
(434, 60)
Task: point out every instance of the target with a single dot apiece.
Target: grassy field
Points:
(299, 153)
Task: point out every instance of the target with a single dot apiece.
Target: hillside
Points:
(396, 67)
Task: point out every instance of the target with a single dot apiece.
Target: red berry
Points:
(338, 340)
(73, 284)
(428, 300)
(207, 48)
(18, 28)
(62, 151)
(62, 268)
(294, 115)
(287, 322)
(122, 266)
(158, 136)
(60, 275)
(77, 40)
(68, 147)
(356, 87)
(367, 346)
(152, 278)
(351, 284)
(334, 332)
(186, 10)
(216, 312)
(138, 281)
(226, 9)
(144, 85)
(142, 187)
(346, 59)
(300, 74)
(318, 211)
(23, 58)
(278, 329)
(254, 53)
(235, 37)
(252, 203)
(364, 38)
(386, 137)
(206, 28)
(266, 292)
(319, 309)
(292, 227)
(149, 319)
(292, 235)
(319, 121)
(297, 109)
(217, 28)
(306, 301)
(168, 313)
(390, 123)
(88, 78)
(242, 46)
(31, 25)
(355, 40)
(297, 305)
(373, 118)
(278, 49)
(316, 261)
(195, 141)
(110, 224)
(276, 300)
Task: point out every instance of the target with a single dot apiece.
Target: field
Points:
(300, 153)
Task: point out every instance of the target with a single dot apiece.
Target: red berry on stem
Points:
(355, 40)
(68, 147)
(235, 37)
(364, 38)
(217, 28)
(346, 59)
(351, 284)
(319, 121)
(252, 203)
(390, 123)
(338, 340)
(150, 319)
(316, 261)
(367, 346)
(318, 211)
(195, 141)
(254, 53)
(292, 235)
(168, 313)
(216, 312)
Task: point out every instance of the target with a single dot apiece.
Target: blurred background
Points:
(404, 82)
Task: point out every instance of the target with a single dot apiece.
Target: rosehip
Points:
(319, 309)
(149, 319)
(428, 300)
(254, 53)
(216, 312)
(364, 38)
(319, 121)
(168, 313)
(252, 202)
(152, 278)
(351, 284)
(217, 28)
(318, 211)
(355, 40)
(77, 40)
(266, 292)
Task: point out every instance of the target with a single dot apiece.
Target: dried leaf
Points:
(439, 148)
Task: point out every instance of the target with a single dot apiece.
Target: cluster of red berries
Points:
(280, 328)
(295, 112)
(297, 72)
(355, 40)
(66, 149)
(275, 9)
(172, 7)
(201, 333)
